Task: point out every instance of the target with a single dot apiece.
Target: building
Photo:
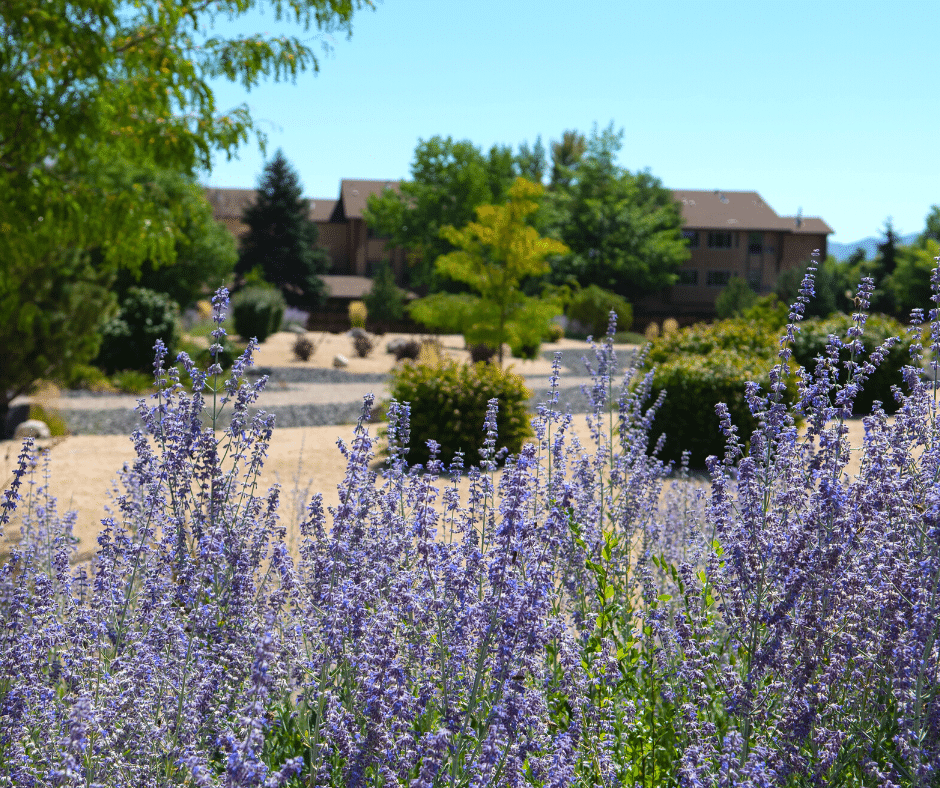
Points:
(355, 250)
(735, 234)
(729, 234)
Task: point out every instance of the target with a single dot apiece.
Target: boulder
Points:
(31, 428)
(340, 361)
(394, 345)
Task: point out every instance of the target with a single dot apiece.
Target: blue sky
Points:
(830, 106)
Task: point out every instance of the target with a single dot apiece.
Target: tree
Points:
(909, 283)
(205, 252)
(623, 230)
(566, 155)
(530, 162)
(493, 256)
(735, 299)
(282, 239)
(448, 181)
(87, 84)
(829, 287)
(931, 226)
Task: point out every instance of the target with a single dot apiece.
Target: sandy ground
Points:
(277, 352)
(82, 467)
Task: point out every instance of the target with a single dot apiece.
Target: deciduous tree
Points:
(88, 83)
(493, 256)
(449, 179)
(623, 229)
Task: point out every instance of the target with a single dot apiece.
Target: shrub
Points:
(303, 348)
(385, 301)
(363, 344)
(694, 385)
(700, 366)
(52, 419)
(358, 314)
(481, 353)
(448, 404)
(410, 350)
(734, 299)
(652, 331)
(575, 620)
(592, 306)
(258, 312)
(127, 340)
(768, 310)
(813, 339)
(670, 326)
(554, 332)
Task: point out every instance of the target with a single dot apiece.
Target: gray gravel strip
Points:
(300, 397)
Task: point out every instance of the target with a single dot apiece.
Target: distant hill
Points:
(870, 245)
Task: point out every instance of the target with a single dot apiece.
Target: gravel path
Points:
(302, 397)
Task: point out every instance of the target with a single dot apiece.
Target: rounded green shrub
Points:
(700, 366)
(812, 340)
(127, 340)
(737, 335)
(448, 404)
(694, 385)
(592, 305)
(258, 312)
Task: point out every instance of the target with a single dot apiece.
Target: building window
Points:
(692, 237)
(688, 276)
(755, 243)
(717, 278)
(719, 240)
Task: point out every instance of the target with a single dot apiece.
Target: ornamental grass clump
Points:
(583, 615)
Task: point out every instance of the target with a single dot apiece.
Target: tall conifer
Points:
(282, 239)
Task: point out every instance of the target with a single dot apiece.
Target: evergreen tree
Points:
(282, 239)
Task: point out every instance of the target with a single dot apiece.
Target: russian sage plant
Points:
(570, 615)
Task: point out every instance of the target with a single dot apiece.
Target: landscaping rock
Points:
(340, 361)
(31, 428)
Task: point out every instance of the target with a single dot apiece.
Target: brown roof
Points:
(354, 194)
(347, 286)
(229, 203)
(321, 209)
(728, 210)
(808, 224)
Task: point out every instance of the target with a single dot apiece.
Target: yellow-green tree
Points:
(494, 256)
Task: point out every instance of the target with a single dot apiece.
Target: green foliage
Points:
(830, 285)
(530, 162)
(769, 311)
(51, 309)
(448, 404)
(448, 181)
(282, 238)
(257, 312)
(52, 419)
(700, 366)
(495, 254)
(623, 229)
(566, 155)
(204, 252)
(385, 301)
(592, 306)
(734, 299)
(643, 722)
(127, 340)
(812, 340)
(909, 284)
(92, 87)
